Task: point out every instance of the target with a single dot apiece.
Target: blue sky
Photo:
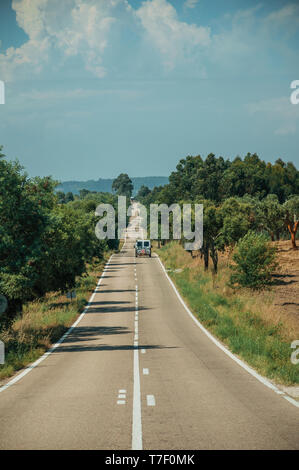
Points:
(99, 87)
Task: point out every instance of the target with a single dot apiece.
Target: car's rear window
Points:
(139, 244)
(146, 244)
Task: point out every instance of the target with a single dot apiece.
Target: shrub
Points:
(255, 261)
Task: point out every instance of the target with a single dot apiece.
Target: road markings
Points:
(150, 399)
(122, 391)
(56, 345)
(121, 395)
(249, 369)
(143, 351)
(145, 371)
(137, 425)
(121, 402)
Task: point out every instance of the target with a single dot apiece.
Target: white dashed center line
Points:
(150, 399)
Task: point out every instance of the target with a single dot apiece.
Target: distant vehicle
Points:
(143, 248)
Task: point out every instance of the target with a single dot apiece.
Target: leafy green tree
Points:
(25, 206)
(282, 179)
(212, 226)
(246, 176)
(83, 193)
(209, 178)
(142, 193)
(270, 215)
(60, 197)
(237, 218)
(123, 185)
(182, 181)
(69, 197)
(255, 261)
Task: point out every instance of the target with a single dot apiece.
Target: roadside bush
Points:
(255, 261)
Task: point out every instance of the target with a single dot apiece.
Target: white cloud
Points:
(82, 33)
(71, 28)
(280, 111)
(174, 39)
(252, 42)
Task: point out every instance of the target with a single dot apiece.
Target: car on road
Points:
(143, 248)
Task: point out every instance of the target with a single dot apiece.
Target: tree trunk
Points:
(214, 256)
(205, 250)
(293, 229)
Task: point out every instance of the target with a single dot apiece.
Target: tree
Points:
(212, 225)
(182, 181)
(69, 197)
(142, 193)
(60, 197)
(83, 193)
(25, 205)
(238, 217)
(246, 176)
(291, 219)
(209, 177)
(255, 261)
(123, 185)
(270, 215)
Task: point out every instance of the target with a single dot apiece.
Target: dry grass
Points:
(248, 322)
(276, 306)
(42, 323)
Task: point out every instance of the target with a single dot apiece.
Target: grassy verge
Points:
(43, 322)
(243, 320)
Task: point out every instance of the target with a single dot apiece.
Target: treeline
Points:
(44, 244)
(238, 197)
(217, 179)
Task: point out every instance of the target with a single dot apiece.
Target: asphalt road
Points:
(137, 372)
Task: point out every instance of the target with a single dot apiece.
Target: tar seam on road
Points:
(56, 345)
(251, 371)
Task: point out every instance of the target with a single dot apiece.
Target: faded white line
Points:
(143, 351)
(121, 402)
(56, 345)
(145, 371)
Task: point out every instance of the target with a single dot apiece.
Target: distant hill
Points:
(105, 185)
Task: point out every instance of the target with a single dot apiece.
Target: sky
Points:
(94, 88)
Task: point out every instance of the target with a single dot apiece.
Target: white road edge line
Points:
(56, 345)
(245, 366)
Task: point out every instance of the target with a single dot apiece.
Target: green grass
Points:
(42, 323)
(261, 344)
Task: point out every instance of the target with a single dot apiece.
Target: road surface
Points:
(137, 372)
